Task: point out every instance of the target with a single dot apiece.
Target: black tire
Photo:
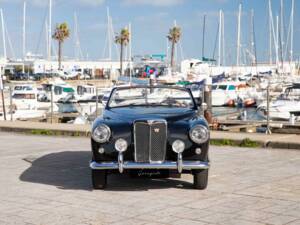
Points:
(200, 179)
(99, 179)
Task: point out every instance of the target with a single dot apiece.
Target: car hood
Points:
(130, 114)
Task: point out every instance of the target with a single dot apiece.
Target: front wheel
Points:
(99, 179)
(200, 179)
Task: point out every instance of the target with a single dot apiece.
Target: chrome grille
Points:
(150, 138)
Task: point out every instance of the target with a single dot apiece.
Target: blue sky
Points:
(150, 21)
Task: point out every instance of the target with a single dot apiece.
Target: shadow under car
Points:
(70, 170)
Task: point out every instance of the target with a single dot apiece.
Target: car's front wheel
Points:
(99, 179)
(200, 179)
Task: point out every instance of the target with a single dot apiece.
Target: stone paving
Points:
(46, 180)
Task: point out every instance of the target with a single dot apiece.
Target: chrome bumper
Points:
(121, 165)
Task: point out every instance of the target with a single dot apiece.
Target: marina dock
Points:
(285, 141)
(283, 127)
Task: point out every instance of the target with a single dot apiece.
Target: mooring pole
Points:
(2, 94)
(268, 131)
(11, 104)
(97, 102)
(3, 105)
(51, 103)
(201, 96)
(208, 100)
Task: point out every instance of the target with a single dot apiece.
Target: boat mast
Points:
(254, 41)
(49, 30)
(203, 36)
(239, 36)
(220, 37)
(75, 37)
(252, 38)
(109, 33)
(129, 53)
(223, 40)
(275, 33)
(277, 40)
(167, 52)
(281, 31)
(270, 33)
(3, 35)
(46, 37)
(292, 31)
(9, 42)
(77, 48)
(24, 36)
(2, 68)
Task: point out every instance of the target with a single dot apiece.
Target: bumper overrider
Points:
(170, 165)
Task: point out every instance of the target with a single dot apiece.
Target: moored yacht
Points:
(287, 105)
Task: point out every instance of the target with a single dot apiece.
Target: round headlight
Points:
(199, 134)
(101, 133)
(121, 145)
(178, 146)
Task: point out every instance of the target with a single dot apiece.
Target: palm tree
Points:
(61, 33)
(122, 39)
(174, 37)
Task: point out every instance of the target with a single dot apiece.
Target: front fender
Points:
(119, 129)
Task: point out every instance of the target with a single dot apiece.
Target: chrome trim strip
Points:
(186, 165)
(120, 162)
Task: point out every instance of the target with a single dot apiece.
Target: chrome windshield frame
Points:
(194, 107)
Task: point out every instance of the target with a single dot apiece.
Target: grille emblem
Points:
(156, 130)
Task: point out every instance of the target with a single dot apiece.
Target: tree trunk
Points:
(172, 56)
(59, 54)
(121, 59)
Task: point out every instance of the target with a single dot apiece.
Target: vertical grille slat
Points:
(141, 140)
(150, 138)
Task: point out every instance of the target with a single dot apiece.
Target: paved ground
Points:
(46, 180)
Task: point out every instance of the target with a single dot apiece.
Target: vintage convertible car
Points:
(155, 128)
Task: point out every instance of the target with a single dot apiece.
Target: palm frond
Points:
(174, 34)
(61, 32)
(123, 37)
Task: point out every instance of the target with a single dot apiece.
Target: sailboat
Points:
(286, 106)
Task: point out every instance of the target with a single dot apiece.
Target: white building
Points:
(95, 68)
(199, 67)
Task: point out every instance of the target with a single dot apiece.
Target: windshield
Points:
(155, 96)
